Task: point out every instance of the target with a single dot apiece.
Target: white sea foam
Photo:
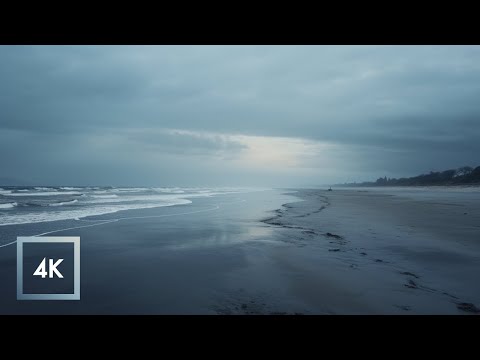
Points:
(103, 201)
(104, 196)
(81, 213)
(64, 203)
(70, 188)
(46, 193)
(8, 206)
(5, 192)
(144, 198)
(45, 188)
(128, 189)
(169, 190)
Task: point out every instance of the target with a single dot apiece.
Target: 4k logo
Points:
(48, 268)
(53, 269)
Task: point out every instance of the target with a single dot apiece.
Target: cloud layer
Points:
(236, 115)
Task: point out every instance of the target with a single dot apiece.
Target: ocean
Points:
(34, 205)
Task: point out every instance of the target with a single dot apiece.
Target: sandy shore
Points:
(384, 251)
(310, 252)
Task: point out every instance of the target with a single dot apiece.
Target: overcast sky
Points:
(235, 115)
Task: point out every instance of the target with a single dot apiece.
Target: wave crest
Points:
(8, 205)
(64, 203)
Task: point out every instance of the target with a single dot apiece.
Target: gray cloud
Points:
(106, 112)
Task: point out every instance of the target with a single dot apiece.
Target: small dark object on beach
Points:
(363, 253)
(379, 260)
(334, 236)
(469, 307)
(330, 189)
(308, 232)
(465, 213)
(411, 284)
(333, 249)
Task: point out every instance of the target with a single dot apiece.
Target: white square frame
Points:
(76, 267)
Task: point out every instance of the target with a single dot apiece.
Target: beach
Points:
(293, 251)
(385, 251)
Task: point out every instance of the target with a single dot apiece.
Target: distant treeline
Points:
(464, 175)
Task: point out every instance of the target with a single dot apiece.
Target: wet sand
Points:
(310, 252)
(384, 252)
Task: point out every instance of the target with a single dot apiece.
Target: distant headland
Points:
(465, 175)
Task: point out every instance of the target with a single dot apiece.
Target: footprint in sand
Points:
(328, 234)
(408, 273)
(468, 307)
(411, 284)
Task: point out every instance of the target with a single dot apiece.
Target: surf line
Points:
(103, 222)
